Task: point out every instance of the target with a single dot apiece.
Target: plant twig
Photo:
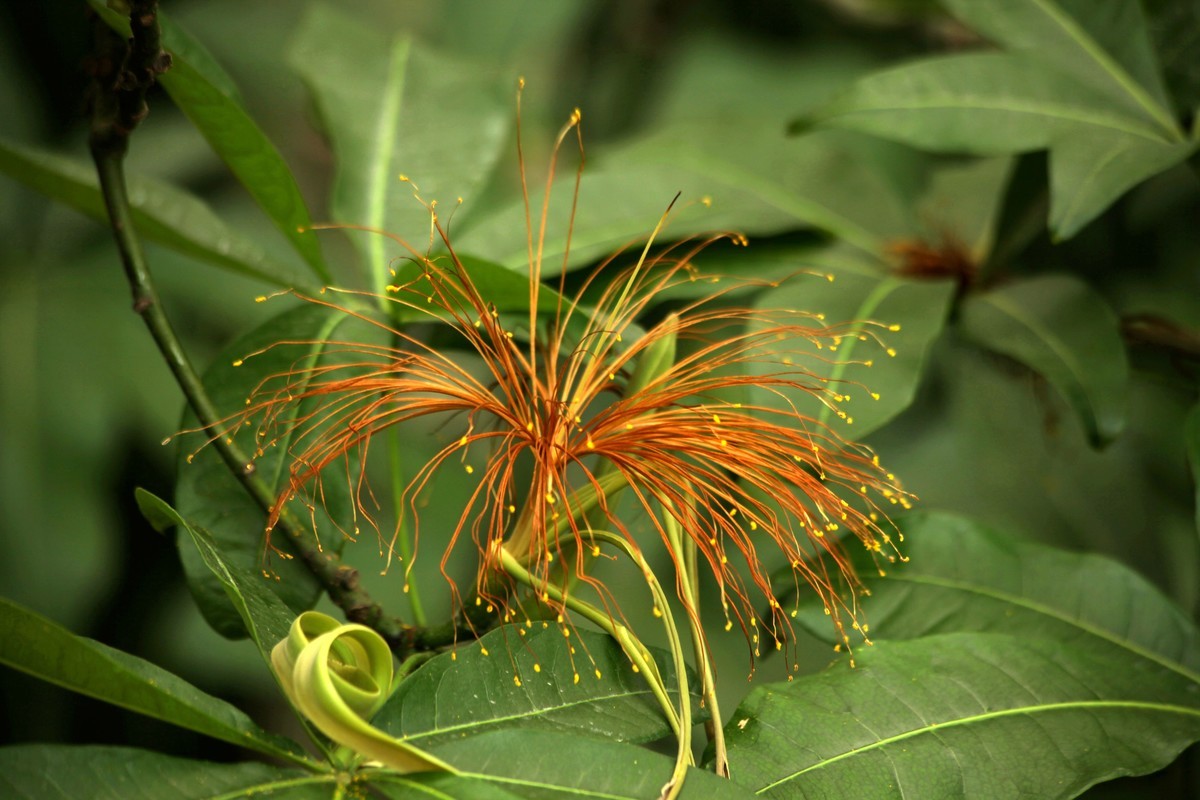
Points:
(123, 73)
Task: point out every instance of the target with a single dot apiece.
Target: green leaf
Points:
(161, 212)
(503, 288)
(963, 715)
(963, 576)
(962, 204)
(979, 103)
(1089, 173)
(993, 103)
(209, 497)
(63, 772)
(1106, 43)
(1173, 25)
(754, 181)
(260, 611)
(35, 645)
(870, 301)
(1059, 327)
(433, 786)
(473, 691)
(205, 94)
(390, 108)
(543, 765)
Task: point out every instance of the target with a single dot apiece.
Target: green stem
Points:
(685, 548)
(683, 757)
(118, 105)
(680, 720)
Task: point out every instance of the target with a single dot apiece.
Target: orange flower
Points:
(592, 404)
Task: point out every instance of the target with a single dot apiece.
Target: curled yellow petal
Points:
(339, 676)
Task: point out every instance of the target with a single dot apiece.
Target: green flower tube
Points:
(338, 676)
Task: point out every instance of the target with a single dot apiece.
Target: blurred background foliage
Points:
(85, 399)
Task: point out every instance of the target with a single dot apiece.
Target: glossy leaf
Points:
(204, 93)
(1106, 43)
(473, 691)
(391, 108)
(963, 716)
(871, 301)
(35, 645)
(1059, 327)
(209, 497)
(964, 576)
(262, 614)
(547, 765)
(61, 772)
(162, 213)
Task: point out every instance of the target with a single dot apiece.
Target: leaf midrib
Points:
(1118, 73)
(991, 715)
(1050, 611)
(478, 726)
(379, 164)
(1012, 105)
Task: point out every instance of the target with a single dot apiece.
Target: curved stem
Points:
(679, 719)
(122, 77)
(685, 548)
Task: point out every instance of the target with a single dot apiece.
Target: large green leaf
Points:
(1104, 42)
(35, 645)
(864, 296)
(206, 95)
(473, 691)
(963, 715)
(993, 103)
(1059, 327)
(161, 212)
(981, 103)
(545, 765)
(963, 576)
(61, 772)
(754, 181)
(262, 614)
(391, 108)
(1088, 173)
(208, 496)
